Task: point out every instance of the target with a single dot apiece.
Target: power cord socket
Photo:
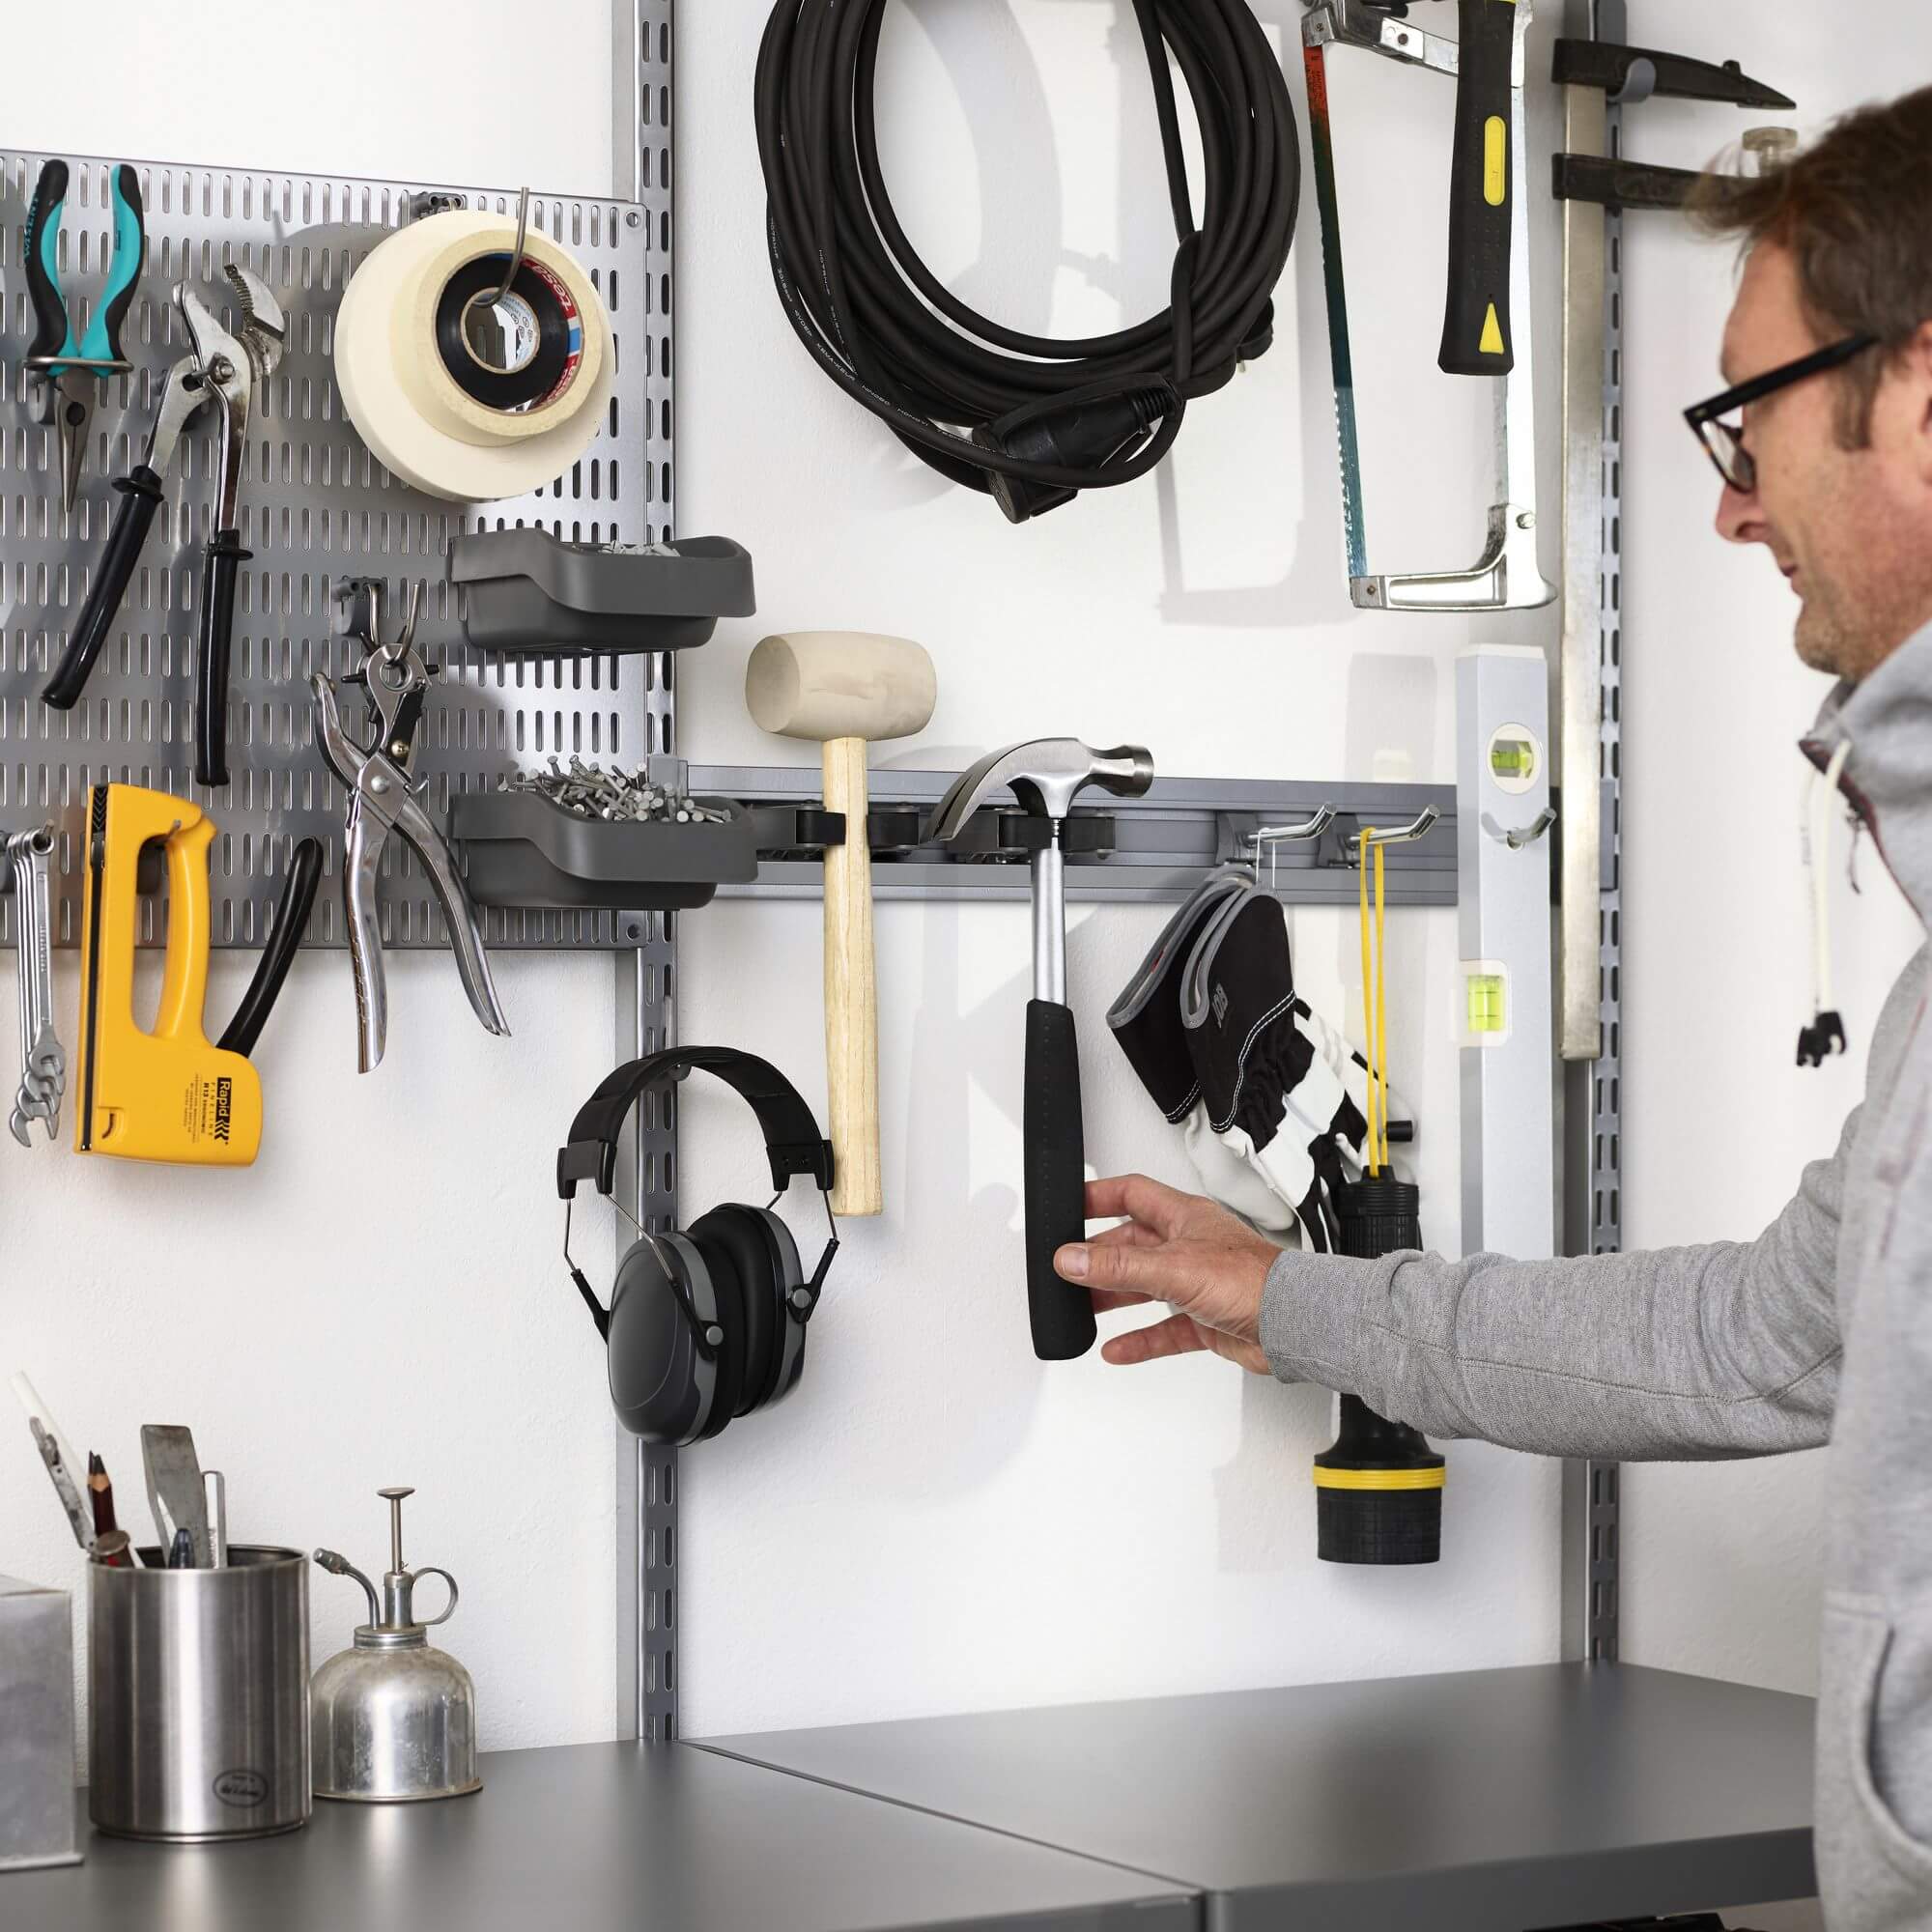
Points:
(1084, 434)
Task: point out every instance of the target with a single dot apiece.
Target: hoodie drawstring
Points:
(1826, 1032)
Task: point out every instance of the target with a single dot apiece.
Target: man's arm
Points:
(1730, 1350)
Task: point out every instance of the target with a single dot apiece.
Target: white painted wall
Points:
(376, 1300)
(935, 1522)
(939, 1522)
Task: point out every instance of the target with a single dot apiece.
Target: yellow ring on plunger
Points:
(1380, 1479)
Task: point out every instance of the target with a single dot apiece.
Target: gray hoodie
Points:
(1820, 1329)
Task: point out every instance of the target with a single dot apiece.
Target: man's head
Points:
(1838, 242)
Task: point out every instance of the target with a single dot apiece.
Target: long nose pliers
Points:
(66, 365)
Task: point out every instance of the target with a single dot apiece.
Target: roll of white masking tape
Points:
(468, 422)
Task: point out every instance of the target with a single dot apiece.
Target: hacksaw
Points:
(1507, 577)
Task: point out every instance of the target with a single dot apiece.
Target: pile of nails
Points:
(655, 794)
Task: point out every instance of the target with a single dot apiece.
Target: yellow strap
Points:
(1382, 1010)
(1378, 1479)
(1368, 997)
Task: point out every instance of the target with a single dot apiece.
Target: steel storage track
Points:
(642, 69)
(1164, 843)
(1592, 1034)
(315, 507)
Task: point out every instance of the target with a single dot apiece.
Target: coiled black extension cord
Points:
(1042, 418)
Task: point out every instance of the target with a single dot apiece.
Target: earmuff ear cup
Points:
(738, 1236)
(662, 1388)
(787, 1277)
(721, 1253)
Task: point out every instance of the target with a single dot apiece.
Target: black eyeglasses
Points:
(1724, 442)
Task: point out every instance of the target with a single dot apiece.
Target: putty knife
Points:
(175, 1491)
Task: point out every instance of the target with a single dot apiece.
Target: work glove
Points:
(1264, 1093)
(1146, 1021)
(1269, 1094)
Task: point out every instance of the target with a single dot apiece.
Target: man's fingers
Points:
(1176, 1335)
(1128, 1234)
(1150, 1271)
(1107, 1300)
(1136, 1197)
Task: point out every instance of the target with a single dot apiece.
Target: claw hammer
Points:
(1046, 775)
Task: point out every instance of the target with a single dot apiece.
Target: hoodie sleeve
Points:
(1679, 1354)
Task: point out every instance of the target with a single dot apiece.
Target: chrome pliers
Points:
(383, 798)
(64, 365)
(221, 369)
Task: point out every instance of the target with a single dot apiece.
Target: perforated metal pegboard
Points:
(315, 507)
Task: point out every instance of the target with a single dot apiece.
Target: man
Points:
(1822, 1327)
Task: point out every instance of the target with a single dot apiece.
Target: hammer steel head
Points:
(1046, 775)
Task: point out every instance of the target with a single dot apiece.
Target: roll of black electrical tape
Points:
(554, 328)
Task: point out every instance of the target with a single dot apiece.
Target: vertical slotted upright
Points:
(1592, 773)
(647, 1587)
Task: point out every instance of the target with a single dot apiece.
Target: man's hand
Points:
(1178, 1249)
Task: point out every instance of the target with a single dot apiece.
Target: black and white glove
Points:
(1262, 1088)
(1146, 1020)
(1269, 1094)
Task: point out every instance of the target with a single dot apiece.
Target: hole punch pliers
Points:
(384, 798)
(223, 369)
(66, 365)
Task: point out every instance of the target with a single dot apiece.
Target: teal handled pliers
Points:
(66, 367)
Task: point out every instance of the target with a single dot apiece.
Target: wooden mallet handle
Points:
(846, 689)
(851, 999)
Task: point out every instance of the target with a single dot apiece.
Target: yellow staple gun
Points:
(170, 1095)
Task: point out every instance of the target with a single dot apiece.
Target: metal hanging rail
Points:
(1157, 847)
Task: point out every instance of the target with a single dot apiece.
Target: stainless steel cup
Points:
(198, 1697)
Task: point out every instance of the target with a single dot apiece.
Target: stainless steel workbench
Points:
(602, 1838)
(1494, 1801)
(1486, 1800)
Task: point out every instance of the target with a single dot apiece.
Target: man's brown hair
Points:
(1855, 209)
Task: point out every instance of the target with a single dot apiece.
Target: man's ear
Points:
(1912, 368)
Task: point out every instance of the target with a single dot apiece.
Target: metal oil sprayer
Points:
(394, 1718)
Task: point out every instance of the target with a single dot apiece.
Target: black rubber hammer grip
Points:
(1478, 338)
(1056, 1182)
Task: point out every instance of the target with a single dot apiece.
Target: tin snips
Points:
(383, 797)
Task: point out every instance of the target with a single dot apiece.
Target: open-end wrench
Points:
(44, 1064)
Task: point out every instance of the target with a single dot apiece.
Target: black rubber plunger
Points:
(1378, 1490)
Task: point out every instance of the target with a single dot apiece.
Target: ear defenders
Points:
(707, 1324)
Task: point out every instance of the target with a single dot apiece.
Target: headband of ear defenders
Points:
(792, 1139)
